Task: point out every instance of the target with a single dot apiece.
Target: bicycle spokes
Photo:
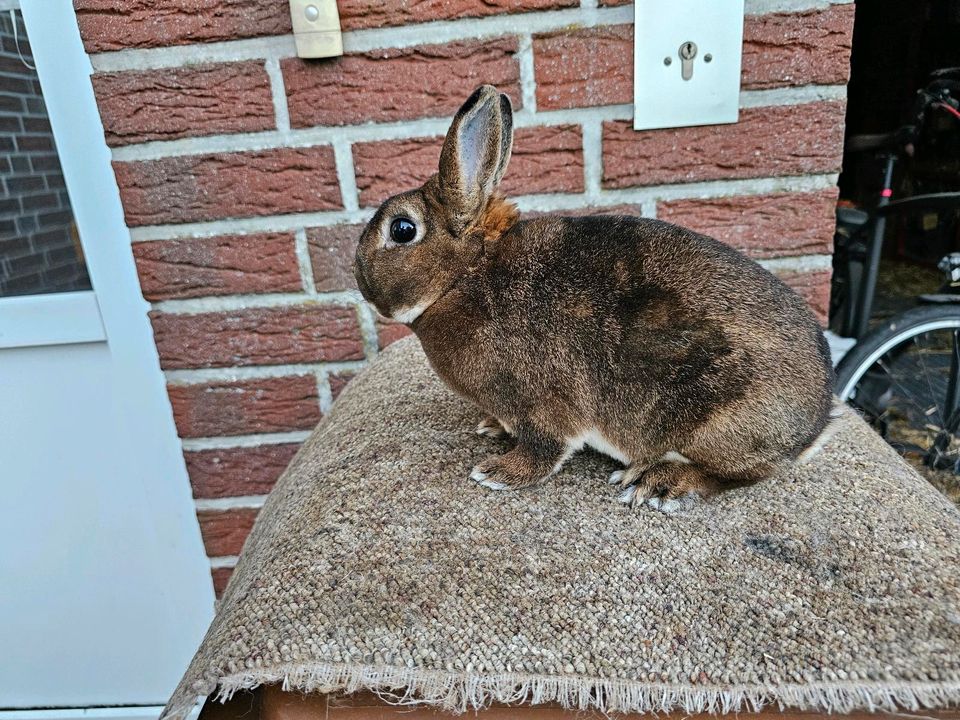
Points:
(939, 455)
(911, 396)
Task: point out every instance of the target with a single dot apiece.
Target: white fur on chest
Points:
(407, 315)
(595, 439)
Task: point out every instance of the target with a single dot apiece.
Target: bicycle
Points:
(903, 375)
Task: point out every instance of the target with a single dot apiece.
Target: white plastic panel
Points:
(662, 97)
(129, 712)
(87, 612)
(144, 712)
(53, 319)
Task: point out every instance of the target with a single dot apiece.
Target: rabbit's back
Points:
(632, 320)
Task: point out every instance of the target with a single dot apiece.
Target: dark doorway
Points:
(896, 46)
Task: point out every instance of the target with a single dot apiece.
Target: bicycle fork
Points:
(869, 284)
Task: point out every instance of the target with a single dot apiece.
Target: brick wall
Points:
(246, 173)
(39, 249)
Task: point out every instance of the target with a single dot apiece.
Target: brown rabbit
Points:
(660, 347)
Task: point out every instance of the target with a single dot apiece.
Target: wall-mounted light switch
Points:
(686, 62)
(316, 28)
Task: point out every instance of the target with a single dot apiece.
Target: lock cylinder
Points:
(687, 52)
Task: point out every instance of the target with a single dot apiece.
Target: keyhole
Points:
(687, 52)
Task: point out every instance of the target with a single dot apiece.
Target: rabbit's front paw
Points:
(491, 427)
(535, 457)
(483, 477)
(518, 468)
(503, 472)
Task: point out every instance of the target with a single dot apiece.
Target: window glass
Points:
(39, 247)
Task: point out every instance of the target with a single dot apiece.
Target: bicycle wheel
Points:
(903, 378)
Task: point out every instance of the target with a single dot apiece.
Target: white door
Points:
(105, 590)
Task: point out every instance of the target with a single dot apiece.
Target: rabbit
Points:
(667, 350)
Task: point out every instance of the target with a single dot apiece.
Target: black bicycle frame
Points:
(885, 207)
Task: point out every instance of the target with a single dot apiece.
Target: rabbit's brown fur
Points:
(666, 349)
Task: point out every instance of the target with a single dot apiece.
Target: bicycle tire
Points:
(887, 336)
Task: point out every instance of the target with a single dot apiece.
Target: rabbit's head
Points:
(419, 243)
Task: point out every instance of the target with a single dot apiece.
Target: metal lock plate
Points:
(686, 62)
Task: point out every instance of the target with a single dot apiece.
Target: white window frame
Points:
(50, 318)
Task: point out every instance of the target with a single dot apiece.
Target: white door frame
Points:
(64, 70)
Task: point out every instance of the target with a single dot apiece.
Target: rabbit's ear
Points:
(506, 137)
(475, 152)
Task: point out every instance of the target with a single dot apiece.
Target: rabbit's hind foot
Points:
(632, 474)
(669, 487)
(616, 477)
(629, 476)
(634, 497)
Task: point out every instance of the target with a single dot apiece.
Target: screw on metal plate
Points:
(687, 52)
(667, 60)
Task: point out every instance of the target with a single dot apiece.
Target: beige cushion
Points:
(376, 564)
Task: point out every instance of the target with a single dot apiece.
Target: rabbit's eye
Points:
(402, 230)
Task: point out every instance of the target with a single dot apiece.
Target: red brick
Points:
(392, 166)
(545, 159)
(624, 209)
(762, 226)
(611, 3)
(185, 101)
(224, 531)
(389, 332)
(784, 49)
(189, 188)
(220, 576)
(583, 68)
(233, 472)
(258, 336)
(117, 24)
(244, 407)
(338, 381)
(814, 287)
(227, 265)
(331, 253)
(768, 141)
(356, 14)
(397, 84)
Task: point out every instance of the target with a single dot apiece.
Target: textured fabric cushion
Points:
(376, 564)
